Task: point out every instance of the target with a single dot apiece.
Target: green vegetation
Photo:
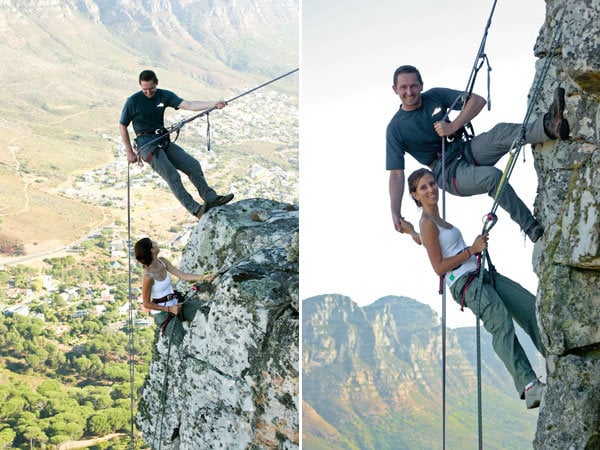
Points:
(65, 362)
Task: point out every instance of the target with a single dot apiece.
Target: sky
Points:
(349, 51)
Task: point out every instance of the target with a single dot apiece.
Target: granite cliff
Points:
(567, 259)
(233, 382)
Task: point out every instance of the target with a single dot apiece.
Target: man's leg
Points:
(489, 147)
(498, 322)
(191, 167)
(473, 180)
(163, 166)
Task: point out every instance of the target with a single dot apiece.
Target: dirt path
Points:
(88, 442)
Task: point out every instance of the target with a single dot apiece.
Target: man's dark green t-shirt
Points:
(147, 114)
(412, 132)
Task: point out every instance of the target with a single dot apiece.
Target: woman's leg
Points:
(520, 303)
(497, 320)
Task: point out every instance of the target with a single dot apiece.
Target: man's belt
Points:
(156, 132)
(166, 298)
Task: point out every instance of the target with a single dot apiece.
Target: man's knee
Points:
(488, 178)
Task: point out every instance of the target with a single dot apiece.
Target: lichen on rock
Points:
(233, 382)
(567, 259)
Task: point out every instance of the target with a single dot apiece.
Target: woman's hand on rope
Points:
(174, 309)
(220, 104)
(480, 243)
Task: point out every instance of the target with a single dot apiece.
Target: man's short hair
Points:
(407, 69)
(147, 75)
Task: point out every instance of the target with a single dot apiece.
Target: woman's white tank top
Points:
(162, 288)
(452, 243)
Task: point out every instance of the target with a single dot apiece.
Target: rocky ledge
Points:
(233, 382)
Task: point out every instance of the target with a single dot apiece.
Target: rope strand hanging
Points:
(480, 59)
(130, 326)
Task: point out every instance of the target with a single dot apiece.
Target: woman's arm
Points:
(430, 238)
(187, 276)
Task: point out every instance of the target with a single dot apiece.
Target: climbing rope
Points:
(519, 141)
(131, 331)
(491, 219)
(480, 59)
(163, 393)
(177, 127)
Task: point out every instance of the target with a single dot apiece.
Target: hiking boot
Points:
(218, 201)
(534, 394)
(555, 125)
(535, 231)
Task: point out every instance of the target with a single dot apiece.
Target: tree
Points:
(35, 435)
(7, 436)
(82, 364)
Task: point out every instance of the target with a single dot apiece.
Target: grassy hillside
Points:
(64, 91)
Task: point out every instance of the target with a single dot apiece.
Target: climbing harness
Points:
(176, 128)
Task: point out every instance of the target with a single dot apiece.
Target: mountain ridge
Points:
(383, 389)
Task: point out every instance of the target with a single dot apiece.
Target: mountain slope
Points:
(372, 379)
(72, 64)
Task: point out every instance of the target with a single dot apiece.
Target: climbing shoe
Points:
(535, 231)
(555, 125)
(217, 201)
(534, 394)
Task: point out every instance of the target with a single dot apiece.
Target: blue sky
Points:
(350, 50)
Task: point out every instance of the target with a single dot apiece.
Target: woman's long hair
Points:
(143, 251)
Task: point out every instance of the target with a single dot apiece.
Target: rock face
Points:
(567, 259)
(233, 382)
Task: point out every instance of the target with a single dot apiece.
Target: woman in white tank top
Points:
(158, 295)
(500, 302)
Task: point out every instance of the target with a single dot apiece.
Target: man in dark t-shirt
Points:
(419, 126)
(146, 109)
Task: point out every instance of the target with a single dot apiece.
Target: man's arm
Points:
(131, 156)
(201, 106)
(474, 105)
(396, 187)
